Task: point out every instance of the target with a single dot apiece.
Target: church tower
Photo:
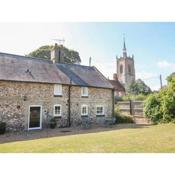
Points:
(125, 68)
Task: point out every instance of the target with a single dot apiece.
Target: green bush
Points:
(140, 97)
(124, 119)
(138, 87)
(120, 118)
(160, 107)
(152, 107)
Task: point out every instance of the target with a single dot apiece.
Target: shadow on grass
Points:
(48, 133)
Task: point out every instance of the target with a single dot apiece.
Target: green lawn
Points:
(157, 138)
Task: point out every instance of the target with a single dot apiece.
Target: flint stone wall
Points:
(16, 97)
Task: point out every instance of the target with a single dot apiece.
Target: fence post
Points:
(113, 102)
(130, 107)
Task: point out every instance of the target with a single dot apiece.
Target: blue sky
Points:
(153, 44)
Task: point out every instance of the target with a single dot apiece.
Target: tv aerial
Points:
(59, 41)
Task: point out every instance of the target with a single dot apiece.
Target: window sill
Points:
(57, 117)
(84, 116)
(58, 95)
(100, 115)
(83, 96)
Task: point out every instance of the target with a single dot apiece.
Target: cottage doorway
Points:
(35, 113)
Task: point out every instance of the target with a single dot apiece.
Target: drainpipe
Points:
(130, 105)
(113, 102)
(69, 104)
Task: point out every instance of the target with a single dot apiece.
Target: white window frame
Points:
(40, 127)
(103, 112)
(82, 106)
(57, 115)
(58, 89)
(87, 92)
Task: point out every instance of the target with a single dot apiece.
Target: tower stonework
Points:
(125, 68)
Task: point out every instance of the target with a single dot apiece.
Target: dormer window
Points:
(84, 91)
(58, 90)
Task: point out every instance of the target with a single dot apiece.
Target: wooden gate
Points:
(134, 108)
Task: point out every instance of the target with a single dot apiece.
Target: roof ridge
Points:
(75, 64)
(42, 59)
(101, 74)
(26, 57)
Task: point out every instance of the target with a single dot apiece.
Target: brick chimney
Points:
(56, 54)
(115, 77)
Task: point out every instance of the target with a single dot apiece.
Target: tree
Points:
(70, 56)
(170, 77)
(138, 87)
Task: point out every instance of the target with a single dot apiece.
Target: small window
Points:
(84, 110)
(57, 110)
(84, 91)
(100, 110)
(57, 89)
(129, 69)
(121, 69)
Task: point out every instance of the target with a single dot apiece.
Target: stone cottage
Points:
(32, 88)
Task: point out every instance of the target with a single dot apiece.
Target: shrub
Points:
(124, 119)
(120, 118)
(152, 107)
(138, 87)
(140, 97)
(160, 107)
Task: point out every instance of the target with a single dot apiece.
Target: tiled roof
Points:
(117, 85)
(27, 69)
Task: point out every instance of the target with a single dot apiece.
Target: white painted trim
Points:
(40, 117)
(57, 115)
(84, 95)
(103, 109)
(81, 109)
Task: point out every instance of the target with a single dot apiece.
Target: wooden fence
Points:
(134, 108)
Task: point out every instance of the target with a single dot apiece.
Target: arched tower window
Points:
(121, 69)
(129, 69)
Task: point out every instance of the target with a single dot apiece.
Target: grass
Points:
(156, 138)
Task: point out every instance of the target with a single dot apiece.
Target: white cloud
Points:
(146, 75)
(150, 78)
(155, 87)
(165, 64)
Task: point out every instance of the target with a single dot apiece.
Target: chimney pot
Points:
(56, 54)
